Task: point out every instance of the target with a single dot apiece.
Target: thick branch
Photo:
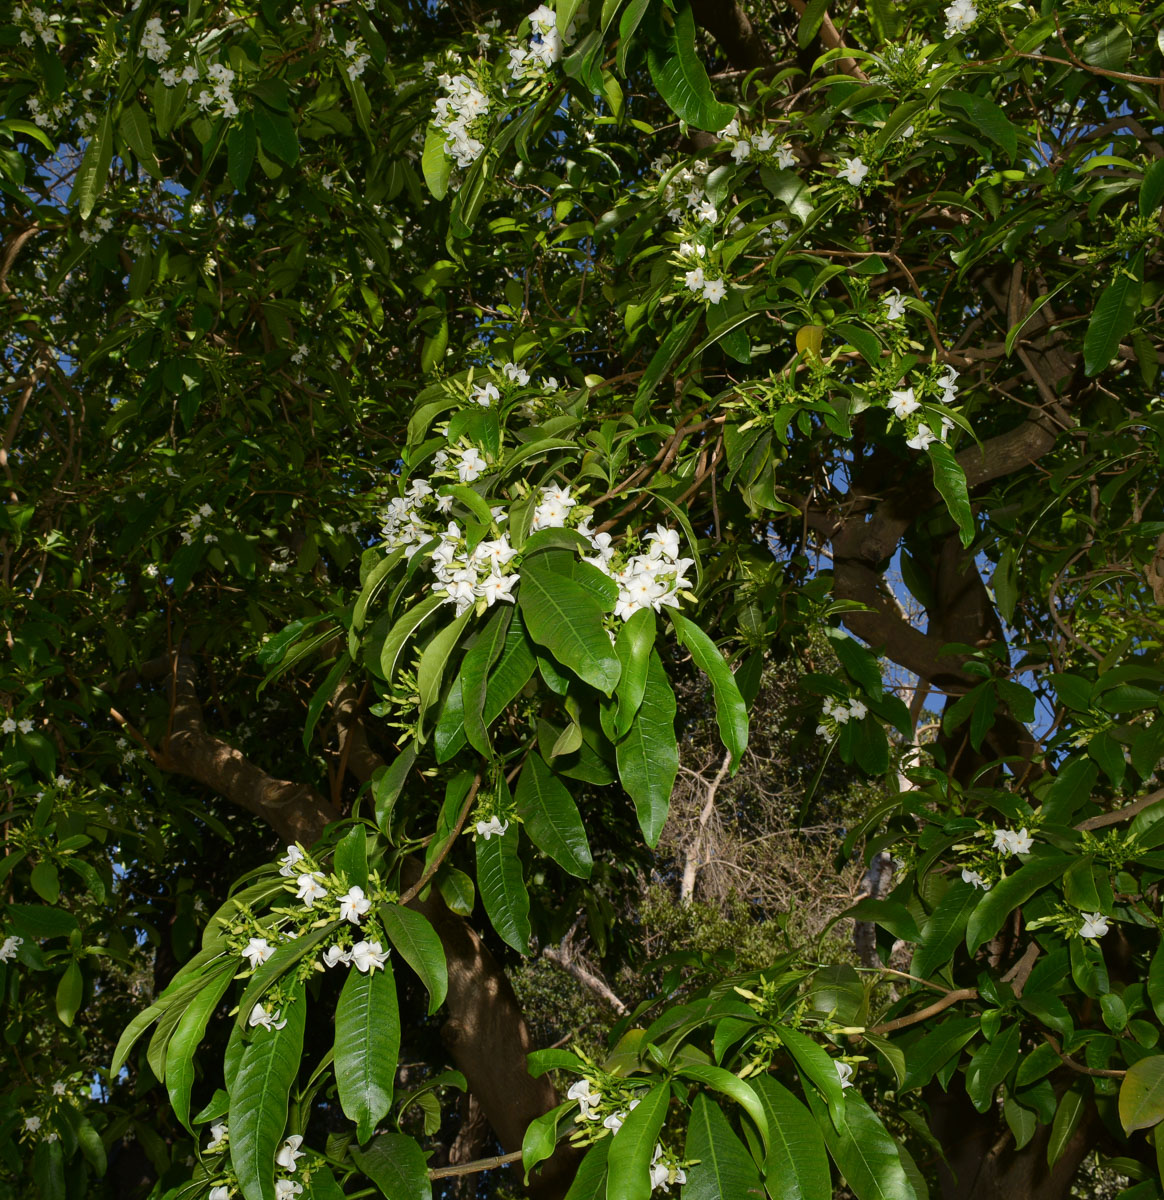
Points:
(727, 22)
(295, 811)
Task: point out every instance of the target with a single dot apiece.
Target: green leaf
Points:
(945, 929)
(259, 1097)
(502, 887)
(680, 77)
(186, 1040)
(474, 677)
(541, 1137)
(386, 787)
(629, 1162)
(286, 955)
(323, 695)
(435, 164)
(69, 992)
(567, 619)
(648, 757)
(990, 1065)
(950, 480)
(863, 1150)
(367, 1045)
(796, 1166)
(590, 1179)
(48, 1169)
(396, 1165)
(277, 134)
(986, 118)
(633, 648)
(93, 172)
(730, 1085)
(420, 947)
(1070, 791)
(1068, 1117)
(431, 671)
(404, 628)
(1113, 317)
(241, 145)
(46, 882)
(724, 1170)
(664, 359)
(1152, 188)
(134, 127)
(551, 819)
(994, 908)
(1141, 1100)
(819, 1067)
(810, 22)
(1021, 1120)
(730, 711)
(930, 1053)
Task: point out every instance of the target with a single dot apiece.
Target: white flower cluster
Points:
(697, 278)
(664, 1171)
(1010, 842)
(11, 725)
(42, 25)
(762, 142)
(95, 232)
(840, 713)
(652, 580)
(960, 16)
(365, 956)
(357, 58)
(153, 41)
(458, 114)
(545, 45)
(903, 403)
(466, 576)
(699, 206)
(11, 945)
(219, 93)
(195, 525)
(46, 116)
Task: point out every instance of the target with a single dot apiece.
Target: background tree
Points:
(404, 405)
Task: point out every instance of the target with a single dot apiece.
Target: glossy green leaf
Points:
(187, 1038)
(629, 1161)
(551, 818)
(730, 711)
(819, 1067)
(997, 904)
(367, 1045)
(866, 1155)
(990, 1065)
(724, 1170)
(796, 1166)
(633, 648)
(648, 756)
(680, 76)
(1113, 317)
(93, 172)
(502, 887)
(950, 480)
(418, 944)
(396, 1165)
(1141, 1102)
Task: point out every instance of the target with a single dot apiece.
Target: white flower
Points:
(785, 158)
(59, 1088)
(844, 1073)
(470, 466)
(1010, 842)
(257, 951)
(495, 825)
(741, 150)
(694, 280)
(714, 290)
(515, 374)
(269, 1021)
(853, 171)
(289, 1152)
(614, 1122)
(731, 129)
(706, 211)
(587, 1099)
(960, 16)
(31, 1124)
(336, 954)
(857, 710)
(9, 725)
(311, 887)
(369, 956)
(288, 861)
(922, 439)
(485, 394)
(222, 1192)
(218, 1136)
(354, 905)
(286, 1188)
(12, 943)
(902, 403)
(1094, 925)
(764, 140)
(972, 877)
(894, 305)
(497, 587)
(542, 20)
(664, 542)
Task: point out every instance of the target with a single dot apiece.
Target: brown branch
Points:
(924, 1014)
(1121, 814)
(472, 1168)
(11, 251)
(1098, 1072)
(450, 841)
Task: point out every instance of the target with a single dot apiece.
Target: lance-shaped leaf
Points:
(1113, 316)
(419, 946)
(863, 1150)
(187, 1038)
(629, 1161)
(259, 1097)
(396, 1165)
(633, 647)
(502, 887)
(724, 1169)
(730, 711)
(1142, 1094)
(1002, 899)
(551, 819)
(94, 169)
(648, 757)
(796, 1166)
(474, 676)
(567, 619)
(815, 1063)
(367, 1044)
(681, 77)
(950, 480)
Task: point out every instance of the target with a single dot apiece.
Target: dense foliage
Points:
(403, 403)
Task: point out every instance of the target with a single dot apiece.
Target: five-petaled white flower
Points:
(902, 403)
(9, 725)
(257, 951)
(24, 726)
(311, 887)
(960, 16)
(923, 438)
(974, 878)
(614, 1121)
(714, 290)
(336, 954)
(218, 1137)
(12, 943)
(858, 710)
(1094, 925)
(587, 1100)
(289, 1152)
(369, 956)
(354, 905)
(269, 1021)
(495, 825)
(844, 1073)
(741, 150)
(1010, 842)
(894, 305)
(853, 171)
(59, 1088)
(486, 394)
(32, 1124)
(288, 861)
(286, 1188)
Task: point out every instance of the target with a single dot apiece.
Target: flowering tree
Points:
(400, 398)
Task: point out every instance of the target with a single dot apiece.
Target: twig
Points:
(472, 1168)
(923, 1014)
(1121, 814)
(434, 866)
(1098, 1072)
